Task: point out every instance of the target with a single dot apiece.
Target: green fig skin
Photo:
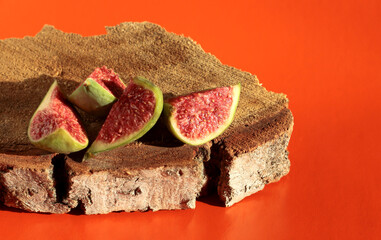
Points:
(92, 98)
(99, 146)
(58, 141)
(171, 122)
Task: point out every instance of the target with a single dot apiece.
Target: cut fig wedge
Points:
(136, 112)
(55, 126)
(98, 92)
(199, 117)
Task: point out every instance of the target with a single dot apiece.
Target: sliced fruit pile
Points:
(194, 119)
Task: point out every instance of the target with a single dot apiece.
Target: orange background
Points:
(324, 54)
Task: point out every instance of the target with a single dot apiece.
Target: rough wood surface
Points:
(177, 64)
(248, 172)
(137, 177)
(27, 182)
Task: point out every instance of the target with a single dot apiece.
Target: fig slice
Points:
(136, 112)
(55, 125)
(98, 92)
(199, 117)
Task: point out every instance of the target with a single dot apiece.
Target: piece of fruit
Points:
(55, 125)
(98, 92)
(201, 116)
(136, 111)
